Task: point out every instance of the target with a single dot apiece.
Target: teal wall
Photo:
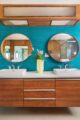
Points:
(39, 37)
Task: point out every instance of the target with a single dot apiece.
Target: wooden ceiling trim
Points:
(40, 20)
(39, 5)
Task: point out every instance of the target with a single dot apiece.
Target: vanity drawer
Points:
(39, 84)
(68, 83)
(39, 94)
(39, 103)
(11, 84)
(11, 95)
(68, 93)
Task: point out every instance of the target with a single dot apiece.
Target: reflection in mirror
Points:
(16, 47)
(63, 47)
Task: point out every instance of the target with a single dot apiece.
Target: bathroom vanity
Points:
(35, 90)
(19, 88)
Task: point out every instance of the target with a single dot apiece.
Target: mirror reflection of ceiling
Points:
(63, 47)
(16, 47)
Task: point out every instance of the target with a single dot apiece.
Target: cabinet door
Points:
(11, 93)
(39, 83)
(67, 93)
(39, 93)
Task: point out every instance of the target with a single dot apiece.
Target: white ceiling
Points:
(40, 1)
(17, 36)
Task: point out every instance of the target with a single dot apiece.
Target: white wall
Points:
(40, 1)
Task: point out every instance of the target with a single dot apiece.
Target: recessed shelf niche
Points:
(40, 11)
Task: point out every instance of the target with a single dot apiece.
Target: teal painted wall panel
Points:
(39, 37)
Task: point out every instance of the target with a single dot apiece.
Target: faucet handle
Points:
(9, 67)
(13, 66)
(66, 65)
(18, 67)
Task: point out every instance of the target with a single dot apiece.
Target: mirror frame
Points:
(64, 61)
(2, 44)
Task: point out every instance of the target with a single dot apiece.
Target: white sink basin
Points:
(12, 72)
(69, 71)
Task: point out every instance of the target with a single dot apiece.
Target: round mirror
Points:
(63, 47)
(16, 47)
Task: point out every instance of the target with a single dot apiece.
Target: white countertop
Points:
(46, 74)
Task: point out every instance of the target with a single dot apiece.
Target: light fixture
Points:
(15, 22)
(63, 22)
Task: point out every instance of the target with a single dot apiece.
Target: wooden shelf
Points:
(36, 18)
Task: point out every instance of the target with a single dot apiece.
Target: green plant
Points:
(39, 54)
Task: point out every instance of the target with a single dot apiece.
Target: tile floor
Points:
(40, 113)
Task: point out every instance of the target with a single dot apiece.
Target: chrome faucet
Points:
(18, 67)
(66, 65)
(60, 66)
(13, 67)
(9, 67)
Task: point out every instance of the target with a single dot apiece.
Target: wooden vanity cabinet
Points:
(67, 93)
(11, 93)
(39, 93)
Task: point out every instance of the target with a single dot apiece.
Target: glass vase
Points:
(40, 66)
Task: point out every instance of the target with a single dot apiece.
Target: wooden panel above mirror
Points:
(40, 14)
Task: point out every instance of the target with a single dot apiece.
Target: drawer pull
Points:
(37, 90)
(39, 98)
